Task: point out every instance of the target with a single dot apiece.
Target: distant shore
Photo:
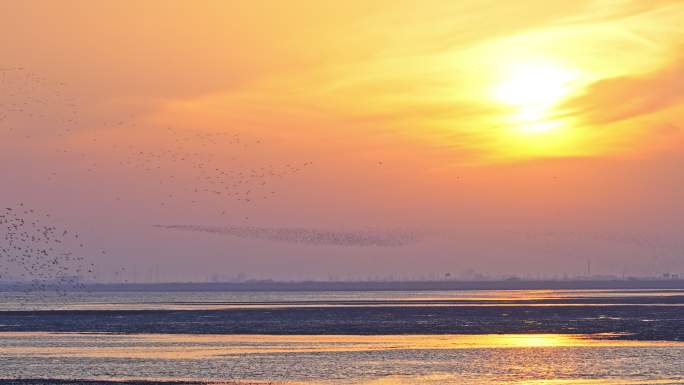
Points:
(267, 285)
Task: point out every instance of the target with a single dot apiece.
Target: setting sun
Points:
(533, 90)
(534, 84)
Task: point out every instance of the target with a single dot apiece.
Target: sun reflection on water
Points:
(522, 359)
(189, 346)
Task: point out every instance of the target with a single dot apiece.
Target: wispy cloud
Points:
(617, 99)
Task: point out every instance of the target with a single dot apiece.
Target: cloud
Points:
(313, 237)
(623, 98)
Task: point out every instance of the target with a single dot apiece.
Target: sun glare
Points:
(534, 84)
(532, 90)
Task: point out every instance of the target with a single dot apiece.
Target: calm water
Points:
(221, 300)
(380, 358)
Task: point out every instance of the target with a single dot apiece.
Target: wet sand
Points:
(661, 322)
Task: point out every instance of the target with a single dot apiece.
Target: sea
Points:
(347, 337)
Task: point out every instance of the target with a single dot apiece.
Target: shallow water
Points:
(449, 337)
(443, 359)
(194, 300)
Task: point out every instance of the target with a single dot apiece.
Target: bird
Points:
(38, 254)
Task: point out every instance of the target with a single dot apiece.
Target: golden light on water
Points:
(534, 340)
(188, 346)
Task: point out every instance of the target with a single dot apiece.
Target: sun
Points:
(531, 90)
(531, 84)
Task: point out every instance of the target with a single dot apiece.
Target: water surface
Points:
(545, 337)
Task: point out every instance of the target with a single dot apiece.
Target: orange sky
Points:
(508, 134)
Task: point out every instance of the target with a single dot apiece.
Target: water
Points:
(222, 300)
(183, 343)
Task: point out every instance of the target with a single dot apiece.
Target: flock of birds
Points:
(39, 254)
(357, 238)
(201, 167)
(185, 168)
(29, 102)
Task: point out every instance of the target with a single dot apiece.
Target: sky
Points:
(185, 140)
